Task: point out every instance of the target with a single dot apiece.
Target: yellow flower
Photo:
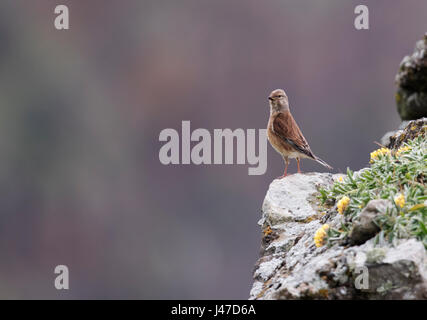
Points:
(320, 235)
(343, 204)
(402, 149)
(379, 152)
(340, 179)
(399, 200)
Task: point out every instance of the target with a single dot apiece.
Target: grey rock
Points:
(291, 199)
(365, 227)
(400, 273)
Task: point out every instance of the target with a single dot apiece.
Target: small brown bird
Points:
(284, 134)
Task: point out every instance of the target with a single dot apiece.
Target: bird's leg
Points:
(286, 168)
(299, 170)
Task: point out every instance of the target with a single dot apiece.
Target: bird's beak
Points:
(270, 98)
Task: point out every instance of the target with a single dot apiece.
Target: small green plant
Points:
(399, 176)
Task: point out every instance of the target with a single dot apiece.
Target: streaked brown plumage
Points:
(284, 134)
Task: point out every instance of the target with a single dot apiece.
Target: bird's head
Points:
(278, 100)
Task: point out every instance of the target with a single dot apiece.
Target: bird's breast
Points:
(276, 142)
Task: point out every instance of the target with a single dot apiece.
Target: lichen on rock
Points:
(411, 130)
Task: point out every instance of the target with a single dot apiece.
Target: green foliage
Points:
(392, 174)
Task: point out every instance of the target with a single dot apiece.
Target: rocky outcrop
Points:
(410, 130)
(411, 80)
(294, 262)
(411, 94)
(292, 267)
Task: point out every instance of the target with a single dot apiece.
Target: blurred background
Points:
(81, 112)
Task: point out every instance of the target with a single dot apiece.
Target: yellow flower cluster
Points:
(343, 204)
(379, 152)
(320, 235)
(402, 149)
(399, 200)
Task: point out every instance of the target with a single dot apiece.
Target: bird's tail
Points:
(323, 163)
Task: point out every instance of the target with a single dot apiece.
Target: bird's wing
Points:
(287, 129)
